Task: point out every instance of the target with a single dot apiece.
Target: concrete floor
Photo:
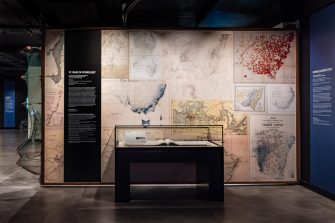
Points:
(22, 200)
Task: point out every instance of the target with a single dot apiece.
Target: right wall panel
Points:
(322, 97)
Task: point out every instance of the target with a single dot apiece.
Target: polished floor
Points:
(23, 200)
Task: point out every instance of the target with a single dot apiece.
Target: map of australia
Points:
(134, 102)
(55, 53)
(272, 148)
(54, 83)
(198, 64)
(144, 55)
(282, 98)
(271, 151)
(249, 98)
(201, 112)
(264, 57)
(114, 55)
(231, 163)
(54, 107)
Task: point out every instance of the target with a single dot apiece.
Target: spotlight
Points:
(30, 49)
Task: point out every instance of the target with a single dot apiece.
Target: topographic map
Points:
(265, 57)
(107, 155)
(129, 103)
(54, 107)
(54, 155)
(54, 81)
(215, 112)
(134, 102)
(114, 54)
(54, 104)
(199, 112)
(282, 98)
(231, 163)
(199, 64)
(144, 48)
(249, 98)
(236, 158)
(54, 55)
(272, 148)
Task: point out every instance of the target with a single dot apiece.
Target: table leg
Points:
(215, 189)
(122, 178)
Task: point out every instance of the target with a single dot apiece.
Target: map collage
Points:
(243, 80)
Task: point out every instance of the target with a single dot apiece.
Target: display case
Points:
(201, 145)
(169, 135)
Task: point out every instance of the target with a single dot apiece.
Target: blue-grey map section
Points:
(286, 104)
(272, 150)
(252, 98)
(144, 40)
(231, 163)
(56, 52)
(150, 107)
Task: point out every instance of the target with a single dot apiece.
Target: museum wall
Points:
(243, 80)
(321, 93)
(2, 115)
(12, 94)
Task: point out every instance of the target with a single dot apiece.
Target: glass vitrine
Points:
(169, 135)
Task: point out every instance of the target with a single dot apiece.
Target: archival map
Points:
(272, 148)
(135, 103)
(199, 64)
(249, 98)
(236, 158)
(282, 98)
(54, 155)
(54, 104)
(130, 103)
(229, 78)
(114, 54)
(54, 81)
(215, 112)
(265, 57)
(107, 155)
(54, 55)
(54, 107)
(145, 60)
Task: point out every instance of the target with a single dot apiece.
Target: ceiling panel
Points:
(18, 17)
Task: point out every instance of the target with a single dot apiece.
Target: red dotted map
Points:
(264, 57)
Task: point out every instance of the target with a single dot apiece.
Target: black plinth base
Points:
(209, 167)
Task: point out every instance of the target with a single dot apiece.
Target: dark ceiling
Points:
(147, 13)
(21, 21)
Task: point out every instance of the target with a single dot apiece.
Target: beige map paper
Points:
(249, 98)
(264, 57)
(215, 112)
(273, 148)
(54, 155)
(114, 54)
(236, 158)
(199, 64)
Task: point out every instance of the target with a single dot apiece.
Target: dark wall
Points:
(322, 119)
(309, 6)
(305, 98)
(82, 106)
(298, 9)
(318, 80)
(20, 97)
(1, 103)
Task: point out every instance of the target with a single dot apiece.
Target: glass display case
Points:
(201, 145)
(169, 135)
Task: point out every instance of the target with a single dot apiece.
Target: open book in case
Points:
(169, 136)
